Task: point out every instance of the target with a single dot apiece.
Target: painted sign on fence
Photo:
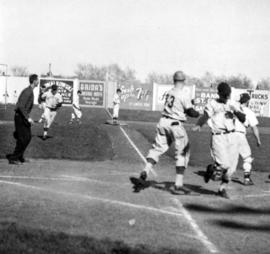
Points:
(65, 88)
(136, 96)
(92, 93)
(202, 95)
(259, 100)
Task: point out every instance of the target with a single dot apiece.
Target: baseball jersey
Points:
(251, 120)
(52, 100)
(218, 119)
(176, 102)
(116, 99)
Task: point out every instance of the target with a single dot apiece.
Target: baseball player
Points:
(170, 130)
(221, 114)
(41, 102)
(240, 132)
(116, 105)
(53, 101)
(77, 112)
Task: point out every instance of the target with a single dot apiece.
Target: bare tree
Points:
(112, 72)
(159, 78)
(20, 71)
(264, 84)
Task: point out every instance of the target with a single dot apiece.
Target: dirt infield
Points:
(88, 206)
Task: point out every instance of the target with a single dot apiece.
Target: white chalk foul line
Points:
(88, 197)
(134, 146)
(201, 236)
(65, 178)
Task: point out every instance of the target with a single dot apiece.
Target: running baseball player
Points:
(170, 130)
(116, 105)
(53, 101)
(41, 102)
(221, 114)
(240, 132)
(77, 112)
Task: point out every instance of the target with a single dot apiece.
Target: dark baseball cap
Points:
(54, 87)
(244, 97)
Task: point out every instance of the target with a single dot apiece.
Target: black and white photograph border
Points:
(122, 157)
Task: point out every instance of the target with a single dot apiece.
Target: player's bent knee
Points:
(151, 160)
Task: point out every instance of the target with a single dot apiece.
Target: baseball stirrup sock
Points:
(179, 180)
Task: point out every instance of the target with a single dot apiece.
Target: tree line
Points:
(114, 72)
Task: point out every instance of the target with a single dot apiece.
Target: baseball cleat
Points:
(248, 181)
(23, 160)
(11, 161)
(209, 173)
(143, 175)
(180, 190)
(223, 193)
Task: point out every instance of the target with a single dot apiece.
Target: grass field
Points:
(75, 195)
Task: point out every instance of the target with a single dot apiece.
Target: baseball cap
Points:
(244, 97)
(179, 76)
(54, 87)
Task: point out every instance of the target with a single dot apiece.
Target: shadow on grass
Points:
(243, 226)
(18, 239)
(41, 137)
(228, 209)
(234, 179)
(196, 190)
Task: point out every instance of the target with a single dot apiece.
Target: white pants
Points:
(49, 116)
(170, 131)
(77, 113)
(243, 149)
(116, 110)
(42, 106)
(224, 152)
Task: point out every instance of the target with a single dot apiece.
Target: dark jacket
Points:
(25, 102)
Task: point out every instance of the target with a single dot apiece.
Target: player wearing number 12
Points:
(170, 130)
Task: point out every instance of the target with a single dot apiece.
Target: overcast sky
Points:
(219, 36)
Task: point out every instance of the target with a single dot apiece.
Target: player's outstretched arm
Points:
(241, 116)
(191, 112)
(256, 134)
(201, 121)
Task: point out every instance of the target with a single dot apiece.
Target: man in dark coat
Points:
(23, 121)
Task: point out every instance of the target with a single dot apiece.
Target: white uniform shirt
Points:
(116, 99)
(52, 100)
(218, 122)
(251, 120)
(177, 101)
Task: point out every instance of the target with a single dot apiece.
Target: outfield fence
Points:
(148, 97)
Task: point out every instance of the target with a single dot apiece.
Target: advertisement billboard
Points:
(92, 93)
(65, 87)
(136, 96)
